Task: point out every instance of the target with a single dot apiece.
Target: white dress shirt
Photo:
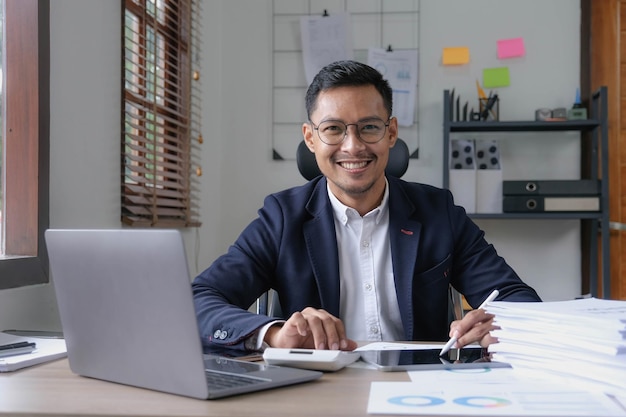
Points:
(368, 303)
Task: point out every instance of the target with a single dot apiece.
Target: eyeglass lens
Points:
(333, 131)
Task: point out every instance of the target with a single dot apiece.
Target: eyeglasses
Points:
(333, 132)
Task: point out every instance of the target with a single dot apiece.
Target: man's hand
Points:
(474, 327)
(310, 329)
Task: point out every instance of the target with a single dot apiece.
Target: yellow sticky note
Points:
(496, 77)
(456, 55)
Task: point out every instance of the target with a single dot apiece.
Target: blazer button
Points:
(223, 334)
(217, 334)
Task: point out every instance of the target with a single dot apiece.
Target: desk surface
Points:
(52, 389)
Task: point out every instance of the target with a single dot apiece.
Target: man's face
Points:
(355, 170)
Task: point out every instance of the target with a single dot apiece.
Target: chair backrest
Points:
(396, 165)
(269, 305)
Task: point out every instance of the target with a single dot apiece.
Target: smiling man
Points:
(354, 255)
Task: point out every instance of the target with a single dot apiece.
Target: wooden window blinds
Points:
(161, 113)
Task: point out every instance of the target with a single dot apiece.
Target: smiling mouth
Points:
(354, 165)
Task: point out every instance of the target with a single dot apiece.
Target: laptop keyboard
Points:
(217, 380)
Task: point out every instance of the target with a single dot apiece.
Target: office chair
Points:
(268, 304)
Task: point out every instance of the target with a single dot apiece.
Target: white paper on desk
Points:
(607, 315)
(461, 377)
(575, 372)
(325, 39)
(410, 398)
(400, 69)
(398, 346)
(46, 350)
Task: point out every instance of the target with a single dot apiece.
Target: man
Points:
(353, 255)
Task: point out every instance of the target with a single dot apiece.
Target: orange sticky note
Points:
(456, 55)
(511, 48)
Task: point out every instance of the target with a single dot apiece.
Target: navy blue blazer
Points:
(292, 248)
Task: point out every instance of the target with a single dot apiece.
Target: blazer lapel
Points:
(321, 242)
(404, 235)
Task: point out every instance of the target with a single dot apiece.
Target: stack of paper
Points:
(583, 340)
(47, 350)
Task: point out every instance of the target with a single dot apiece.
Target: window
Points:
(25, 142)
(160, 113)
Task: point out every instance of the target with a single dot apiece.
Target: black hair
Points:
(347, 73)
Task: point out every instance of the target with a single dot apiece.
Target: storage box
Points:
(476, 175)
(463, 173)
(488, 177)
(489, 191)
(463, 188)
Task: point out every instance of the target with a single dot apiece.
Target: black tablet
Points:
(429, 359)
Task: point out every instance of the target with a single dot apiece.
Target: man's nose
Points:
(352, 138)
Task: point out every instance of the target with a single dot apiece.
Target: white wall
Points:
(238, 169)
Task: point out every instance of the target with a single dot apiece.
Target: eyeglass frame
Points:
(345, 133)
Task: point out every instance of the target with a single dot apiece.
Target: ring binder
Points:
(529, 204)
(586, 187)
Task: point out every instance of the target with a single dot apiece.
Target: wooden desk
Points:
(52, 389)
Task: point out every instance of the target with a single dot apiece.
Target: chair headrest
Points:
(396, 165)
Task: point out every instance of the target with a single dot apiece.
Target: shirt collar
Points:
(343, 212)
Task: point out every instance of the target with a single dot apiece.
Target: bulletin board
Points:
(389, 24)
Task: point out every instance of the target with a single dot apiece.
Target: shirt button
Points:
(374, 329)
(366, 244)
(368, 287)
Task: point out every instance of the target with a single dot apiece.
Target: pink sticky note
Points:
(511, 48)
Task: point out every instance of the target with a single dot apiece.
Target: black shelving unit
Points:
(597, 125)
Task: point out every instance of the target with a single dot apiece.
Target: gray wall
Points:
(237, 164)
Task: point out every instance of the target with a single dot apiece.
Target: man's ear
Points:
(307, 134)
(392, 131)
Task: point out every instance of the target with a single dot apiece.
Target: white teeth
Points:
(353, 165)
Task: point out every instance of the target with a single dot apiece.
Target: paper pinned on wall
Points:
(455, 55)
(325, 39)
(400, 69)
(511, 48)
(496, 77)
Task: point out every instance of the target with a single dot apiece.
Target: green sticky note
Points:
(496, 77)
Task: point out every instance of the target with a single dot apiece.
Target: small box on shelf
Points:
(476, 175)
(488, 177)
(577, 112)
(463, 174)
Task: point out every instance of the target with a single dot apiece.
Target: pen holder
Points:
(489, 108)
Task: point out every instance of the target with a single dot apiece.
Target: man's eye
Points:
(333, 129)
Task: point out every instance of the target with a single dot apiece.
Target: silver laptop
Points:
(127, 313)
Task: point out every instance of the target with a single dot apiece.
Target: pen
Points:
(489, 106)
(20, 348)
(453, 339)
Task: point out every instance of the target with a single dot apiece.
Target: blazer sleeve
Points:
(478, 268)
(224, 291)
